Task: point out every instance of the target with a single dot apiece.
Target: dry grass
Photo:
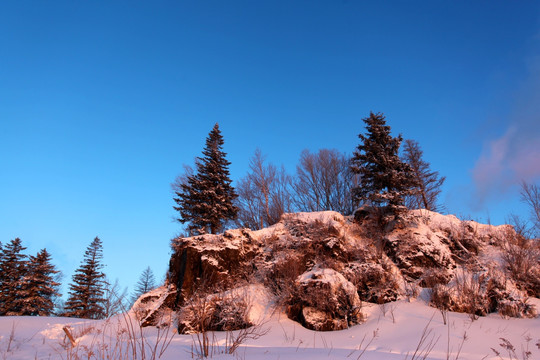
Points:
(227, 311)
(521, 259)
(120, 338)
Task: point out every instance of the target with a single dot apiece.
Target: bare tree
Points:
(182, 179)
(115, 299)
(264, 194)
(324, 181)
(530, 194)
(429, 182)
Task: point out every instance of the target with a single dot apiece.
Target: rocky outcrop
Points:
(319, 266)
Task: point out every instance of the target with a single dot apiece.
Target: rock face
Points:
(310, 257)
(210, 260)
(375, 282)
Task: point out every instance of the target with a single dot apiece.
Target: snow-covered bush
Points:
(466, 295)
(478, 294)
(223, 311)
(521, 258)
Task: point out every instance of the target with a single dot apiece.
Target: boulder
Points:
(149, 309)
(324, 300)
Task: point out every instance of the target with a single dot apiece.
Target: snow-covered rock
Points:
(325, 300)
(149, 308)
(320, 265)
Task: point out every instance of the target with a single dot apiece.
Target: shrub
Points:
(223, 311)
(478, 294)
(521, 259)
(435, 276)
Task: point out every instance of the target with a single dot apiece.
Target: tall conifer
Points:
(39, 287)
(384, 178)
(12, 271)
(205, 199)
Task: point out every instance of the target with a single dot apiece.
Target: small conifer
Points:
(86, 293)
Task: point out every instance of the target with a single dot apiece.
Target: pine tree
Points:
(428, 182)
(384, 178)
(39, 288)
(86, 293)
(12, 271)
(205, 200)
(146, 283)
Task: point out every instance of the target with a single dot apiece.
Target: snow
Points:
(325, 217)
(390, 332)
(329, 276)
(438, 221)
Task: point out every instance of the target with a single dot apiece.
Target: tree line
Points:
(29, 285)
(376, 174)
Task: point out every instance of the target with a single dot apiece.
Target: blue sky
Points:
(101, 103)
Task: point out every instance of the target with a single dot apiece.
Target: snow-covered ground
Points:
(390, 331)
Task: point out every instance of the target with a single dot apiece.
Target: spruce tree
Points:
(428, 182)
(39, 288)
(12, 271)
(206, 199)
(86, 293)
(384, 178)
(146, 283)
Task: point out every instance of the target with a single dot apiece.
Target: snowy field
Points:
(394, 331)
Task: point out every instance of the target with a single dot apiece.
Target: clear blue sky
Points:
(101, 102)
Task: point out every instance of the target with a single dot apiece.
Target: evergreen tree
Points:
(146, 283)
(384, 178)
(205, 199)
(428, 182)
(12, 271)
(39, 288)
(86, 293)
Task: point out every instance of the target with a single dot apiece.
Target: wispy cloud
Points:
(515, 155)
